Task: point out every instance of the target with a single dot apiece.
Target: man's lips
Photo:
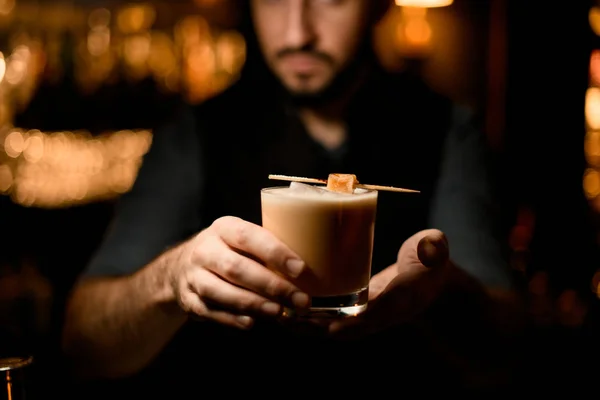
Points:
(301, 63)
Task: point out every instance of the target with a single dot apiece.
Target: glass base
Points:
(348, 305)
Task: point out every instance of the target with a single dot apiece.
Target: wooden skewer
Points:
(324, 182)
(386, 188)
(298, 179)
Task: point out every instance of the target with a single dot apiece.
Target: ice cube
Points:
(304, 188)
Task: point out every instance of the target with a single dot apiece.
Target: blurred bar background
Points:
(83, 83)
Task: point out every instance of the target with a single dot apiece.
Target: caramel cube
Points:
(342, 183)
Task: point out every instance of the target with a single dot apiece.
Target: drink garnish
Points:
(343, 183)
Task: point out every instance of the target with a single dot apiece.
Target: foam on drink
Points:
(299, 188)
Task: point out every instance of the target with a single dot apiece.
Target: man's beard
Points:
(334, 90)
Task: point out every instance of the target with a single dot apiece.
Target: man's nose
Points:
(299, 29)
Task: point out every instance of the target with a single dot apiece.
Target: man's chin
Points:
(313, 91)
(307, 95)
(305, 90)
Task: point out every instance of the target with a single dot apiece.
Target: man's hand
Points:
(403, 290)
(234, 271)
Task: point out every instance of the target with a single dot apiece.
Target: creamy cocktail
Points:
(333, 233)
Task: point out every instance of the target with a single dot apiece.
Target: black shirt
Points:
(215, 157)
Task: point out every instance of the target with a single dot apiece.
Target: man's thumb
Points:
(432, 249)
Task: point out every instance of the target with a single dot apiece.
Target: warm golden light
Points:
(424, 3)
(413, 32)
(594, 19)
(592, 148)
(417, 32)
(6, 6)
(60, 169)
(592, 108)
(136, 18)
(595, 67)
(591, 183)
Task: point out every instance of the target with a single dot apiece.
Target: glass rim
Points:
(12, 363)
(366, 191)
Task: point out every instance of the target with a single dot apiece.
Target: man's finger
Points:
(255, 240)
(432, 249)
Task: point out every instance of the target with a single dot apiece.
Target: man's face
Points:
(306, 43)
